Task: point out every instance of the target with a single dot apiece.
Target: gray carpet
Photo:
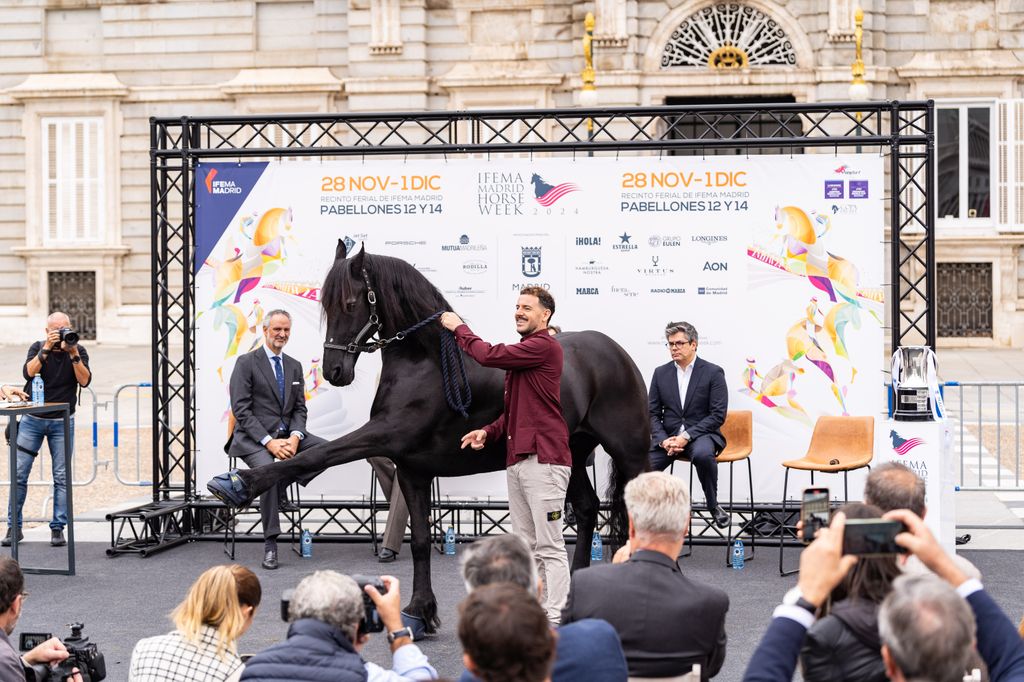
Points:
(124, 599)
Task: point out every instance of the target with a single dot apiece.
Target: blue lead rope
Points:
(451, 360)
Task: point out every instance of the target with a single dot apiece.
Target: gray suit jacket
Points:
(256, 403)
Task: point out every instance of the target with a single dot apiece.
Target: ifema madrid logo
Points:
(547, 194)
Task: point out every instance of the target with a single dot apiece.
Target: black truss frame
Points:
(904, 131)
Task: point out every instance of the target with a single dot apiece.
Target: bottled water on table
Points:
(37, 390)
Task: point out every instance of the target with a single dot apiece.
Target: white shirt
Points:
(407, 663)
(273, 368)
(683, 376)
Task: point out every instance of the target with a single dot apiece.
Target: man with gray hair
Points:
(667, 622)
(688, 401)
(587, 649)
(326, 636)
(268, 403)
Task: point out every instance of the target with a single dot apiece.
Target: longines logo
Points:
(624, 244)
(587, 291)
(719, 266)
(709, 238)
(658, 240)
(588, 241)
(591, 267)
(463, 245)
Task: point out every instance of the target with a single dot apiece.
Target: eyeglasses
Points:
(24, 595)
(677, 344)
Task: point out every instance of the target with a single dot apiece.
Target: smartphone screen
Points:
(872, 537)
(814, 512)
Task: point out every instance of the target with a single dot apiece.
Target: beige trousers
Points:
(398, 514)
(536, 498)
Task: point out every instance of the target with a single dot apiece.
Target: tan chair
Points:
(838, 444)
(738, 431)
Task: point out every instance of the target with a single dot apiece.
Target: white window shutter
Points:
(1010, 163)
(74, 187)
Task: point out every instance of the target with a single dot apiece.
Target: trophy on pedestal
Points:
(915, 384)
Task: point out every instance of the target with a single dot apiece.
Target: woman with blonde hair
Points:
(217, 611)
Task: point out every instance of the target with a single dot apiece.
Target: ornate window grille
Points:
(965, 299)
(728, 36)
(74, 293)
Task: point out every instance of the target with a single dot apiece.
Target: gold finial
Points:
(858, 37)
(588, 52)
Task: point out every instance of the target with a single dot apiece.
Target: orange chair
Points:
(738, 431)
(838, 444)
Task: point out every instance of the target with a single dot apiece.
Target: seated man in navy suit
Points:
(585, 650)
(688, 401)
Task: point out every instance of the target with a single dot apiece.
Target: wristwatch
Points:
(398, 634)
(76, 360)
(796, 598)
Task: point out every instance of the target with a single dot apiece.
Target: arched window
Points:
(728, 35)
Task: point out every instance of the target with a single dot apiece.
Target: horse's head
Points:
(346, 311)
(535, 179)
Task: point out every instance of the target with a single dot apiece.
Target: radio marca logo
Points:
(547, 194)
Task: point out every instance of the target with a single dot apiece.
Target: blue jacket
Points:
(589, 650)
(313, 652)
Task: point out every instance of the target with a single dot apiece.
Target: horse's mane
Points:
(404, 295)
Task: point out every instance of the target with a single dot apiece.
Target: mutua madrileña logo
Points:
(547, 194)
(214, 186)
(900, 445)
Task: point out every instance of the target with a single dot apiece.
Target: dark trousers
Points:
(701, 452)
(270, 501)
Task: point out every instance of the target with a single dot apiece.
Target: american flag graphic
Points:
(903, 445)
(556, 193)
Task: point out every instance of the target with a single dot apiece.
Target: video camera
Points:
(68, 336)
(82, 654)
(371, 621)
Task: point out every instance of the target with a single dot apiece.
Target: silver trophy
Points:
(913, 369)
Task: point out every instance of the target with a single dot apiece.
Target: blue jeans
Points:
(31, 432)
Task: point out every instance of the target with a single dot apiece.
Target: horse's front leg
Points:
(422, 605)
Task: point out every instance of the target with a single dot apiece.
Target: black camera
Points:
(371, 621)
(82, 654)
(68, 336)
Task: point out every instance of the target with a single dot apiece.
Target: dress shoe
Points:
(722, 517)
(386, 556)
(7, 538)
(57, 537)
(270, 560)
(288, 507)
(230, 489)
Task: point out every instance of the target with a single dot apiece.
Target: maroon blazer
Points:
(532, 421)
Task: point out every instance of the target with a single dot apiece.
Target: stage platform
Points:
(126, 598)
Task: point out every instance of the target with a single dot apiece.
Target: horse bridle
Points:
(372, 327)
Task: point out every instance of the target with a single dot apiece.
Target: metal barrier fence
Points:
(138, 481)
(986, 420)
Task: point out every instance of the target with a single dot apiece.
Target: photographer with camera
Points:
(332, 616)
(52, 651)
(64, 367)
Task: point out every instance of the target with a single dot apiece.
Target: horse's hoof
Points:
(416, 624)
(230, 489)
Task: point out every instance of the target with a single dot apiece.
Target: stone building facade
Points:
(79, 80)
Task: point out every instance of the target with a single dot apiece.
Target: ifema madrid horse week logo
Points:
(503, 193)
(546, 194)
(902, 446)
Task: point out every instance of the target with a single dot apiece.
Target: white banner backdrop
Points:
(777, 261)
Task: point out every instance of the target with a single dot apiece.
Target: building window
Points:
(73, 181)
(964, 163)
(965, 299)
(728, 36)
(74, 293)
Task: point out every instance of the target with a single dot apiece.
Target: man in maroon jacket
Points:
(536, 437)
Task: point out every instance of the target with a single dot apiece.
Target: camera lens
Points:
(69, 336)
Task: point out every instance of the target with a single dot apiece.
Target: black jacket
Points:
(844, 645)
(313, 652)
(666, 621)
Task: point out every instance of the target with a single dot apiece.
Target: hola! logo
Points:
(901, 446)
(547, 194)
(214, 186)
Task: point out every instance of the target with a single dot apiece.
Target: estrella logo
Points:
(547, 194)
(902, 446)
(209, 180)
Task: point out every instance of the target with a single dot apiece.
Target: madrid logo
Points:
(531, 261)
(547, 194)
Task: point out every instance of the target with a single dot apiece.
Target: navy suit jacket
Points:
(589, 650)
(257, 405)
(999, 644)
(707, 400)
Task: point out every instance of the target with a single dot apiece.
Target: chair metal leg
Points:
(782, 528)
(295, 519)
(689, 526)
(753, 530)
(373, 510)
(728, 532)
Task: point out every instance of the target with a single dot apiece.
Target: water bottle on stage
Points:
(449, 541)
(737, 554)
(596, 548)
(37, 390)
(307, 544)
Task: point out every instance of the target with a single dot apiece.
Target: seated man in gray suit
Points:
(268, 400)
(666, 621)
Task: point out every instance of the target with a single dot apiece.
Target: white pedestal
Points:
(927, 449)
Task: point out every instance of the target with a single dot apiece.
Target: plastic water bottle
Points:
(596, 548)
(37, 390)
(307, 544)
(449, 541)
(737, 554)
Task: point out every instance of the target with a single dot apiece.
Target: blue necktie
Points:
(279, 373)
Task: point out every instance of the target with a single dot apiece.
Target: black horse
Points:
(603, 399)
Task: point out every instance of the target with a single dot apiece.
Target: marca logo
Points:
(531, 261)
(474, 267)
(624, 244)
(546, 194)
(715, 266)
(586, 291)
(463, 245)
(214, 186)
(709, 238)
(588, 241)
(659, 240)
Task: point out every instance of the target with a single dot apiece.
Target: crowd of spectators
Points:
(921, 616)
